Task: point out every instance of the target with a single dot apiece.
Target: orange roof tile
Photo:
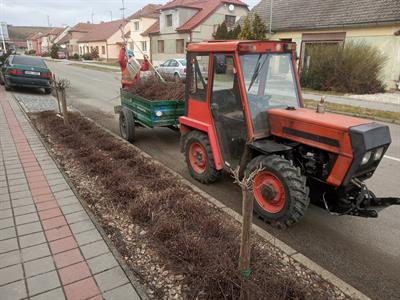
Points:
(148, 11)
(102, 31)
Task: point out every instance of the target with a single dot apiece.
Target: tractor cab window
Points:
(270, 83)
(198, 76)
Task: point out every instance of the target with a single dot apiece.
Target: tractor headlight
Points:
(366, 158)
(378, 154)
(158, 113)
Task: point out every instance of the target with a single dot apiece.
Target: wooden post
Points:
(64, 107)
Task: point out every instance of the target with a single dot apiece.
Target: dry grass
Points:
(190, 234)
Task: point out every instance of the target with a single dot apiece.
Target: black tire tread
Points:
(130, 125)
(211, 175)
(296, 184)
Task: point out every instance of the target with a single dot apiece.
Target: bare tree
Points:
(245, 183)
(60, 85)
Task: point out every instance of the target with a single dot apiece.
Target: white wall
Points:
(137, 38)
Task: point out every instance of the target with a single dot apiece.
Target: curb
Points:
(134, 279)
(346, 288)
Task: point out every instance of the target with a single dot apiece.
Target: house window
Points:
(169, 20)
(103, 49)
(160, 46)
(180, 46)
(144, 46)
(136, 26)
(230, 20)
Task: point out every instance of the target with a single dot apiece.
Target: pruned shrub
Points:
(352, 68)
(87, 56)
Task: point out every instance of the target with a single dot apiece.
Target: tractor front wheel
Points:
(127, 125)
(199, 158)
(280, 193)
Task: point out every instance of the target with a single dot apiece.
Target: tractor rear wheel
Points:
(127, 125)
(280, 193)
(199, 158)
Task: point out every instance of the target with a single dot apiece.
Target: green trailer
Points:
(138, 111)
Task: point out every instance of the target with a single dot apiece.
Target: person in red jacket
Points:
(127, 81)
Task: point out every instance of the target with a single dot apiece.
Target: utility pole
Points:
(110, 14)
(48, 21)
(271, 2)
(92, 16)
(123, 10)
(2, 35)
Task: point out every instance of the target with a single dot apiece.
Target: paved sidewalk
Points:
(49, 247)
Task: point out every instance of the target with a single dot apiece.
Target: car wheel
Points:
(47, 91)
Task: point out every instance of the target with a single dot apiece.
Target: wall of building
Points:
(179, 17)
(169, 47)
(136, 39)
(381, 37)
(206, 30)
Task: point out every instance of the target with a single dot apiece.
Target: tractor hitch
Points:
(361, 202)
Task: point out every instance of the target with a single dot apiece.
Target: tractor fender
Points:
(189, 124)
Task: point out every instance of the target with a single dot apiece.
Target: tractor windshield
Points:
(270, 83)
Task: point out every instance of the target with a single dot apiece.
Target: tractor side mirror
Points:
(220, 64)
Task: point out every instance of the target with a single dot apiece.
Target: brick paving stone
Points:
(46, 205)
(10, 274)
(63, 194)
(94, 249)
(6, 213)
(76, 217)
(5, 197)
(74, 273)
(82, 226)
(81, 290)
(101, 263)
(15, 290)
(67, 258)
(23, 210)
(56, 294)
(35, 252)
(58, 233)
(60, 187)
(8, 245)
(38, 266)
(19, 195)
(17, 182)
(28, 218)
(69, 209)
(7, 233)
(62, 245)
(68, 201)
(123, 292)
(54, 222)
(42, 283)
(110, 279)
(32, 239)
(5, 205)
(29, 228)
(19, 188)
(10, 258)
(22, 202)
(50, 213)
(4, 223)
(88, 237)
(43, 198)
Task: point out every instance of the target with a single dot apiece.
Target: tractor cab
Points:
(244, 109)
(231, 89)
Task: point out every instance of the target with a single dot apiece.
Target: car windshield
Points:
(182, 61)
(270, 83)
(28, 61)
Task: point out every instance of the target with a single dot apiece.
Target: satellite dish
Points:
(231, 7)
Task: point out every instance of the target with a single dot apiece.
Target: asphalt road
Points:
(363, 252)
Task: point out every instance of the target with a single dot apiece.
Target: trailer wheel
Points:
(199, 158)
(127, 125)
(280, 193)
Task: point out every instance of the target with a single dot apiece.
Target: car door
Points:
(163, 67)
(173, 67)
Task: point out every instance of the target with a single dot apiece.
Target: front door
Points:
(227, 110)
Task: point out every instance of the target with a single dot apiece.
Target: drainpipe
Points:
(271, 2)
(107, 49)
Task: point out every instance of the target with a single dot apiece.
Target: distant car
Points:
(174, 68)
(25, 71)
(61, 54)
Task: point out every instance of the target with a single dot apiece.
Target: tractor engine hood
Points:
(350, 138)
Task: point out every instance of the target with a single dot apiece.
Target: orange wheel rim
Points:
(198, 157)
(269, 192)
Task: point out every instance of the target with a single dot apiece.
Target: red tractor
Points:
(244, 109)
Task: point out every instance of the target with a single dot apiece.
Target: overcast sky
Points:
(69, 12)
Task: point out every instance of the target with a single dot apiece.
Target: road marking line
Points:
(391, 157)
